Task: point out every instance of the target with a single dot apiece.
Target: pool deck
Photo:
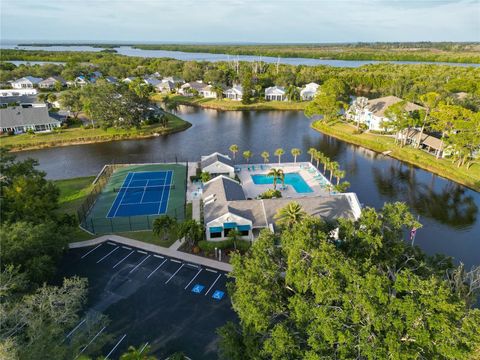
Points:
(307, 171)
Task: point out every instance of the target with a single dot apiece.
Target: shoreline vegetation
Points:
(80, 135)
(380, 143)
(413, 51)
(230, 105)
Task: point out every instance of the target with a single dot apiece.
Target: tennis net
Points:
(141, 189)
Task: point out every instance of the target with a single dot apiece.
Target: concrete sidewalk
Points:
(155, 249)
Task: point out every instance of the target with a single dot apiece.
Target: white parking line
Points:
(126, 247)
(176, 261)
(159, 256)
(210, 288)
(90, 342)
(118, 263)
(193, 265)
(143, 347)
(95, 248)
(110, 253)
(142, 252)
(211, 270)
(199, 271)
(140, 263)
(111, 243)
(175, 273)
(116, 345)
(158, 267)
(75, 328)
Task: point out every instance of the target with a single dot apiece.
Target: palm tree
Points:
(265, 155)
(359, 105)
(333, 166)
(140, 353)
(290, 215)
(339, 174)
(192, 231)
(247, 154)
(234, 149)
(218, 91)
(277, 175)
(326, 164)
(163, 226)
(430, 101)
(311, 152)
(279, 152)
(295, 152)
(293, 94)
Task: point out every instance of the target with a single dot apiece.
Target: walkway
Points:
(155, 249)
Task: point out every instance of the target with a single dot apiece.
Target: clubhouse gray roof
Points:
(22, 99)
(15, 116)
(228, 197)
(214, 158)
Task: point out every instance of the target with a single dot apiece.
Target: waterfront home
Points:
(308, 91)
(189, 89)
(373, 115)
(165, 87)
(234, 93)
(229, 204)
(27, 82)
(111, 79)
(174, 79)
(18, 119)
(51, 82)
(277, 93)
(217, 164)
(81, 81)
(208, 92)
(129, 79)
(152, 81)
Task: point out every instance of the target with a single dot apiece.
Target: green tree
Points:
(311, 152)
(191, 231)
(247, 154)
(279, 152)
(331, 98)
(369, 296)
(205, 176)
(247, 86)
(333, 166)
(429, 101)
(277, 174)
(163, 226)
(140, 353)
(400, 121)
(234, 150)
(290, 215)
(266, 156)
(292, 92)
(296, 152)
(234, 235)
(72, 101)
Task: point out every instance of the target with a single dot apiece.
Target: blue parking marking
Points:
(218, 295)
(197, 289)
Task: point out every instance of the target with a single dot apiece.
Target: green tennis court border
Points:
(97, 221)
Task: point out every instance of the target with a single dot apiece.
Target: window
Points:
(214, 235)
(245, 233)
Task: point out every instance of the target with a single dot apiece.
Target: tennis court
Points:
(143, 193)
(135, 195)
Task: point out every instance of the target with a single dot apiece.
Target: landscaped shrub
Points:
(211, 245)
(270, 194)
(243, 245)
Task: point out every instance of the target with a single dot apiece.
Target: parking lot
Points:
(170, 304)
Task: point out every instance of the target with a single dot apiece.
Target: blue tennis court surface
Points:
(143, 193)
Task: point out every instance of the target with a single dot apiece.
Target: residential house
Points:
(165, 87)
(20, 100)
(234, 93)
(174, 79)
(27, 82)
(308, 91)
(129, 79)
(208, 92)
(18, 92)
(217, 164)
(19, 119)
(373, 116)
(111, 79)
(188, 89)
(276, 93)
(81, 81)
(52, 82)
(152, 81)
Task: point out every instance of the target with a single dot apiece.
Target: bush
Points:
(243, 245)
(270, 194)
(209, 246)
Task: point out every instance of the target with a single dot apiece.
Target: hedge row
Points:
(209, 246)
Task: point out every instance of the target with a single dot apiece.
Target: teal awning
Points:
(230, 225)
(215, 229)
(244, 227)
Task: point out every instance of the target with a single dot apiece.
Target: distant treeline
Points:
(459, 52)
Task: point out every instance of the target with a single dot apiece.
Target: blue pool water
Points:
(293, 179)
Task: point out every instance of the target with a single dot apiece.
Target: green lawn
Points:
(79, 135)
(227, 104)
(443, 167)
(148, 236)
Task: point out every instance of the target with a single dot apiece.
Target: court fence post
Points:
(111, 224)
(130, 222)
(148, 222)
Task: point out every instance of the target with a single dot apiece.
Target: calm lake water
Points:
(130, 51)
(448, 211)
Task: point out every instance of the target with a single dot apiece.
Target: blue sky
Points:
(240, 20)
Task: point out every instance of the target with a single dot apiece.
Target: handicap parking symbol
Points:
(198, 288)
(218, 295)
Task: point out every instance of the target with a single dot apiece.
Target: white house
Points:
(27, 82)
(81, 81)
(308, 91)
(174, 79)
(18, 92)
(129, 79)
(165, 87)
(188, 88)
(51, 82)
(234, 93)
(20, 119)
(217, 164)
(277, 93)
(152, 81)
(373, 116)
(208, 92)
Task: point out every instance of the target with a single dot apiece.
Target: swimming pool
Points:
(293, 179)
